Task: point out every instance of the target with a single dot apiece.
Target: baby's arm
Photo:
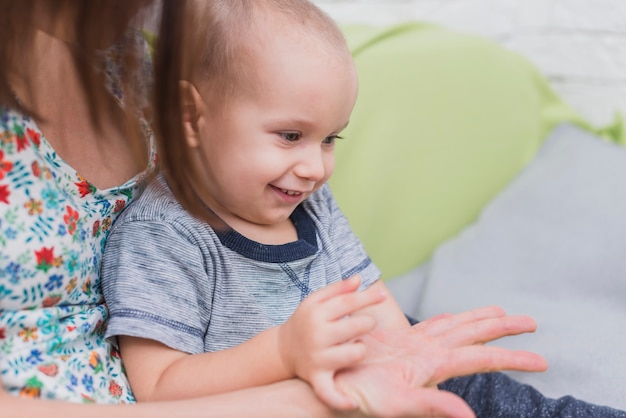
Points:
(310, 345)
(388, 314)
(352, 258)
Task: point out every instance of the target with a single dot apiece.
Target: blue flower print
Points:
(88, 382)
(55, 281)
(13, 272)
(10, 233)
(105, 207)
(81, 235)
(51, 334)
(85, 328)
(50, 197)
(5, 291)
(34, 357)
(71, 262)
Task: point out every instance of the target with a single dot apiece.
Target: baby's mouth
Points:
(290, 192)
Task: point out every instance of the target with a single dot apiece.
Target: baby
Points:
(268, 282)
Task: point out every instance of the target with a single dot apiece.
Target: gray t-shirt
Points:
(170, 277)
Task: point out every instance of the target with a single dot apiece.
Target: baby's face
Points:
(269, 150)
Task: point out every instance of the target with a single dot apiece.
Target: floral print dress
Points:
(53, 227)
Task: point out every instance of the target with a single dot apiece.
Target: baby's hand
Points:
(319, 338)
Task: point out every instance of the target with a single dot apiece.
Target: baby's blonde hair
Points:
(227, 35)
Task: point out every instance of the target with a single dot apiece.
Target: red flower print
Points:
(51, 301)
(45, 258)
(34, 136)
(95, 230)
(84, 188)
(5, 165)
(36, 169)
(100, 326)
(71, 218)
(49, 369)
(119, 205)
(4, 193)
(115, 389)
(21, 141)
(2, 333)
(115, 353)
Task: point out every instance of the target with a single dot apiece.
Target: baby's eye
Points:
(330, 140)
(291, 136)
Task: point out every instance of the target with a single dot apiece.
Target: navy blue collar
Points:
(305, 246)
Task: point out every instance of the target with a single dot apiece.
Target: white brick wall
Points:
(579, 45)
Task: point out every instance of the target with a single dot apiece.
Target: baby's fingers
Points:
(342, 356)
(343, 298)
(347, 304)
(333, 290)
(349, 328)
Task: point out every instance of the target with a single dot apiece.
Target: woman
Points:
(75, 149)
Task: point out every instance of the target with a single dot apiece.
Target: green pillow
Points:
(442, 123)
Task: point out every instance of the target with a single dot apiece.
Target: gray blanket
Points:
(551, 245)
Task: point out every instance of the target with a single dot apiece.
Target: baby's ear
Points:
(192, 110)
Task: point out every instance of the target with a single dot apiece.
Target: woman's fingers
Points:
(486, 330)
(443, 323)
(477, 326)
(484, 359)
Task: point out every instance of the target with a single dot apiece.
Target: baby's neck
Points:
(275, 234)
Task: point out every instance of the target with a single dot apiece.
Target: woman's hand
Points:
(410, 363)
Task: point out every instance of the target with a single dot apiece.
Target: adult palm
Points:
(400, 374)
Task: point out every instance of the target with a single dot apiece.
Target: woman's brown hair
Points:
(91, 25)
(96, 25)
